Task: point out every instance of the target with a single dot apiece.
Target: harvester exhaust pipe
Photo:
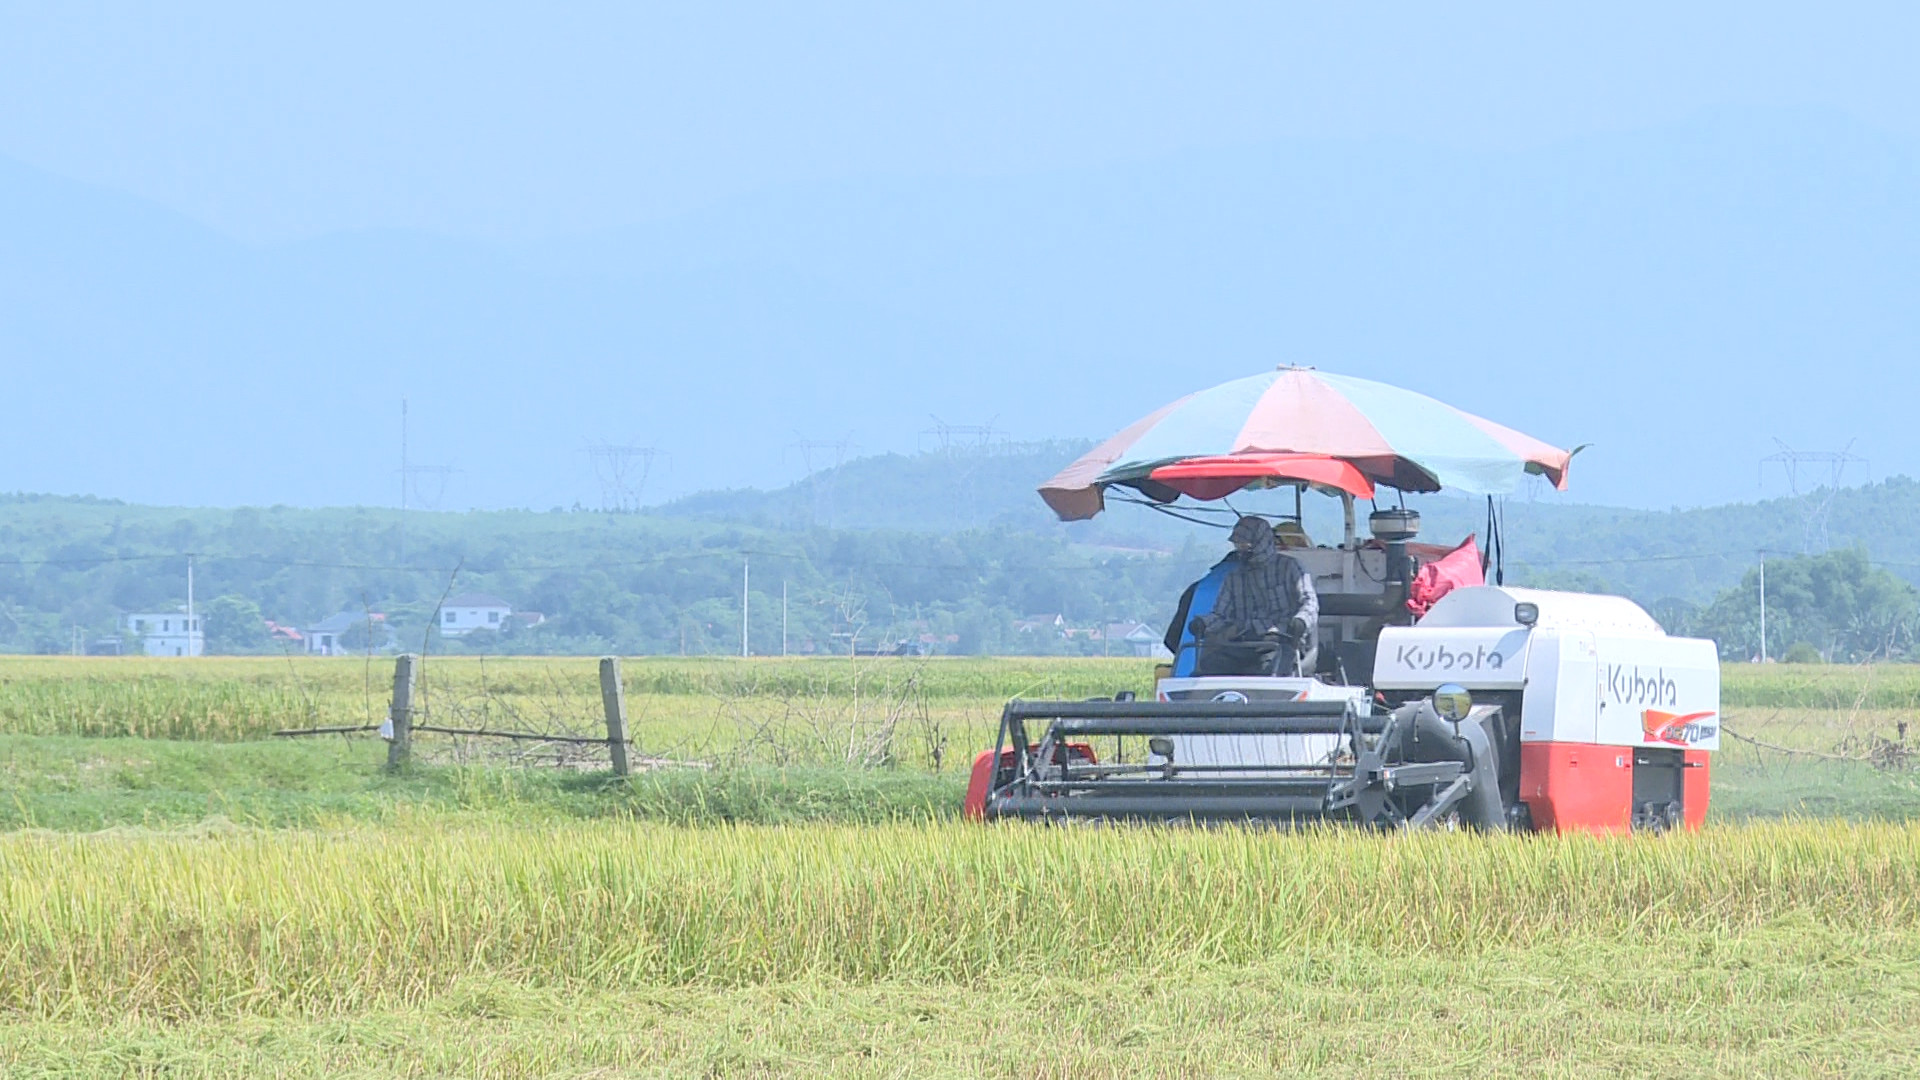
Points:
(1394, 528)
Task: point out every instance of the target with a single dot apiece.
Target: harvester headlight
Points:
(1453, 702)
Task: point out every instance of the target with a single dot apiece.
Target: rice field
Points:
(181, 897)
(327, 921)
(765, 710)
(1821, 686)
(898, 949)
(815, 710)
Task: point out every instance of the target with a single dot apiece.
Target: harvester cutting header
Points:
(1375, 680)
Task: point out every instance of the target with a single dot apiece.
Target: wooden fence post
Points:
(613, 697)
(400, 713)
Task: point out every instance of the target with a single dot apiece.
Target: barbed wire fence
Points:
(555, 716)
(565, 725)
(1860, 735)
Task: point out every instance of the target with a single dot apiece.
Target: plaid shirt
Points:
(1264, 589)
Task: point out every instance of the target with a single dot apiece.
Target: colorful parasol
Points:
(1387, 435)
(1217, 477)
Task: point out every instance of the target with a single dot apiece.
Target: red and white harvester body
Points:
(1610, 720)
(1501, 708)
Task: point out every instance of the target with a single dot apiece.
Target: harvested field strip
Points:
(251, 922)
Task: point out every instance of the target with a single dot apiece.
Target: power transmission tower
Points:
(410, 475)
(435, 488)
(962, 436)
(622, 470)
(812, 450)
(402, 540)
(965, 445)
(1824, 469)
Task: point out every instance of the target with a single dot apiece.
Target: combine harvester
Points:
(1492, 708)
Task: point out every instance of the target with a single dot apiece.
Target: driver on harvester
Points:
(1265, 621)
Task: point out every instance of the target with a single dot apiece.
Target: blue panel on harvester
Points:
(1205, 592)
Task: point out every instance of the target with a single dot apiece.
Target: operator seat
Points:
(1269, 655)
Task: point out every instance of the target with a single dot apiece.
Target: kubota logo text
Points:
(1631, 686)
(1430, 657)
(1680, 730)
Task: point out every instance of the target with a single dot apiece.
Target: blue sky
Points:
(1024, 213)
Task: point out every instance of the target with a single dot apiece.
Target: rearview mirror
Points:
(1452, 702)
(1160, 746)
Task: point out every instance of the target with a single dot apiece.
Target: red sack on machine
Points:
(1455, 569)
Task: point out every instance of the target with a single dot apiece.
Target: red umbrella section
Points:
(1221, 475)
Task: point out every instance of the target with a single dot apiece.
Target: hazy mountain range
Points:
(1676, 296)
(1550, 539)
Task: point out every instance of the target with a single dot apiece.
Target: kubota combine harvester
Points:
(1420, 696)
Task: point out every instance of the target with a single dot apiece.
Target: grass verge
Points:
(75, 784)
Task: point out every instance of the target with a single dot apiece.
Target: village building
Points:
(168, 633)
(1135, 638)
(464, 614)
(328, 637)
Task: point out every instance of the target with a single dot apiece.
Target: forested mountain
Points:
(1684, 554)
(950, 547)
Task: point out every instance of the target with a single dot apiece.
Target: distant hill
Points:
(935, 491)
(1648, 554)
(952, 547)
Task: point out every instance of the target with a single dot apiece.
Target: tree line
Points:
(623, 583)
(650, 583)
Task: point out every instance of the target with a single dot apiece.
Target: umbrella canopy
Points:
(1218, 477)
(1391, 436)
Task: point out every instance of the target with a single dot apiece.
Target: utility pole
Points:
(746, 570)
(783, 617)
(1763, 607)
